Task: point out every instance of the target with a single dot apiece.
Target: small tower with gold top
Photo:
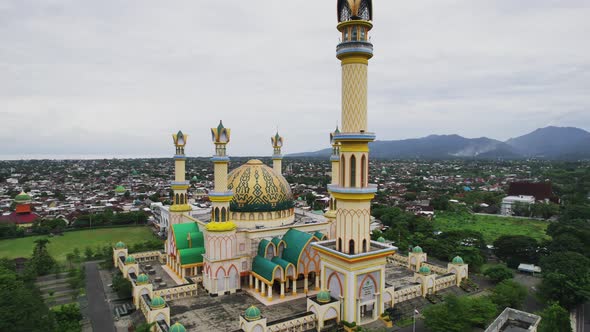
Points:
(221, 268)
(277, 157)
(179, 185)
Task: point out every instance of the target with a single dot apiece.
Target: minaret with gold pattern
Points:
(353, 266)
(277, 157)
(179, 185)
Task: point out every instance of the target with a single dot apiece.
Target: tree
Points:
(508, 293)
(70, 259)
(121, 285)
(498, 273)
(458, 314)
(21, 305)
(68, 318)
(440, 203)
(516, 249)
(41, 262)
(145, 327)
(88, 253)
(555, 319)
(521, 209)
(566, 278)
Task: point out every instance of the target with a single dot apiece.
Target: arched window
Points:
(353, 171)
(343, 171)
(181, 198)
(354, 33)
(365, 245)
(223, 214)
(351, 247)
(216, 214)
(339, 244)
(363, 171)
(177, 199)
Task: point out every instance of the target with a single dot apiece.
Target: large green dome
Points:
(177, 327)
(158, 302)
(257, 188)
(252, 313)
(130, 260)
(417, 250)
(120, 245)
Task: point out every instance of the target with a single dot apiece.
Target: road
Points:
(98, 309)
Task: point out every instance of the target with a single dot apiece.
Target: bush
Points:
(498, 273)
(122, 286)
(509, 293)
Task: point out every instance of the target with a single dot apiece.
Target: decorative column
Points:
(283, 290)
(179, 185)
(294, 286)
(269, 293)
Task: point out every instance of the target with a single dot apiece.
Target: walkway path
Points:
(98, 309)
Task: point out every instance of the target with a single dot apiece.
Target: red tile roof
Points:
(540, 190)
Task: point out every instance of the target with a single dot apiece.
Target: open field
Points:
(491, 226)
(60, 246)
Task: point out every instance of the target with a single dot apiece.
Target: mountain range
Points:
(553, 143)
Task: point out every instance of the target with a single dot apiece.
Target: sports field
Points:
(491, 226)
(60, 246)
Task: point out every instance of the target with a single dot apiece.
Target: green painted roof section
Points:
(22, 197)
(252, 313)
(130, 260)
(283, 263)
(417, 249)
(264, 268)
(276, 241)
(177, 327)
(192, 251)
(324, 297)
(158, 302)
(319, 235)
(120, 245)
(262, 247)
(424, 270)
(296, 242)
(142, 279)
(120, 189)
(381, 239)
(458, 260)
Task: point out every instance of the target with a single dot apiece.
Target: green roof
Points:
(177, 327)
(276, 241)
(252, 313)
(262, 247)
(191, 251)
(120, 189)
(424, 270)
(324, 297)
(264, 268)
(130, 260)
(417, 249)
(296, 241)
(120, 245)
(158, 302)
(381, 239)
(22, 197)
(458, 260)
(142, 279)
(283, 263)
(320, 236)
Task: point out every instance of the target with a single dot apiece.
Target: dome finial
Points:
(355, 10)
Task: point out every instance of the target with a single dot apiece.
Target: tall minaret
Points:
(220, 197)
(353, 193)
(277, 157)
(179, 185)
(353, 266)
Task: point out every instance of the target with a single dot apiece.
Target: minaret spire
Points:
(180, 185)
(277, 157)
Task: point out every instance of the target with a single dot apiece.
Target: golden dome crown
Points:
(256, 187)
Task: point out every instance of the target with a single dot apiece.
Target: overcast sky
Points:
(117, 78)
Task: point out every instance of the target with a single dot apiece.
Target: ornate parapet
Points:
(435, 268)
(178, 292)
(407, 292)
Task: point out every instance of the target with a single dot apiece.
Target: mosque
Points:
(253, 243)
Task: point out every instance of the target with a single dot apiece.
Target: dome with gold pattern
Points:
(258, 188)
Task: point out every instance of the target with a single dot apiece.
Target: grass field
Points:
(491, 226)
(60, 246)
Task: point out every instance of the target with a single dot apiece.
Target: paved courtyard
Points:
(398, 276)
(205, 313)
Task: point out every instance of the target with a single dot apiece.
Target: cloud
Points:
(117, 78)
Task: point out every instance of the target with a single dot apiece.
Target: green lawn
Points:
(59, 246)
(491, 226)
